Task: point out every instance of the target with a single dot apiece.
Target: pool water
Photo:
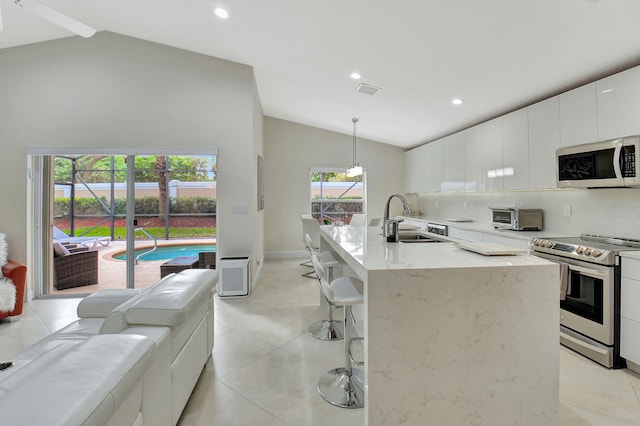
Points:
(169, 252)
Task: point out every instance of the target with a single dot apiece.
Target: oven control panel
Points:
(572, 250)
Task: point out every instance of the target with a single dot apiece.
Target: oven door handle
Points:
(588, 271)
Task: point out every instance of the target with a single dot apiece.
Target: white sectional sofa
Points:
(132, 358)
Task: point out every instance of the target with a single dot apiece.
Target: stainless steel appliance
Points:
(590, 311)
(611, 163)
(516, 219)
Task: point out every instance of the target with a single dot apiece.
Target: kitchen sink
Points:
(417, 238)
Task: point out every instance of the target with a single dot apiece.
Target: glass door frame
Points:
(39, 235)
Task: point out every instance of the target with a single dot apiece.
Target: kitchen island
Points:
(453, 337)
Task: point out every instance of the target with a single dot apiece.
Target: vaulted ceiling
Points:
(494, 55)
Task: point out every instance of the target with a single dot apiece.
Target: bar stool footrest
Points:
(327, 330)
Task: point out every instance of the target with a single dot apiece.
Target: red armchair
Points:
(17, 272)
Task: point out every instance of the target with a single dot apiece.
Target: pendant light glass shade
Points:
(355, 169)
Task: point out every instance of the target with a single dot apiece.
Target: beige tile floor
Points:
(265, 366)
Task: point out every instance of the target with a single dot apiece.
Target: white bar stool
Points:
(328, 329)
(311, 228)
(344, 386)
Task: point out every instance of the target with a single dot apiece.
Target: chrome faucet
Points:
(390, 230)
(407, 210)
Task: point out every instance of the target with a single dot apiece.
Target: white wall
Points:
(291, 150)
(115, 91)
(609, 212)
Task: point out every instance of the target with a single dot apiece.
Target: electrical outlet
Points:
(567, 210)
(465, 205)
(437, 204)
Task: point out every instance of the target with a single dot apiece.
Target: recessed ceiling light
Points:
(355, 76)
(457, 101)
(221, 13)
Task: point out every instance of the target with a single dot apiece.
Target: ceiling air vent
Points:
(367, 89)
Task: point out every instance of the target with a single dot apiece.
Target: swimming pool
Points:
(169, 252)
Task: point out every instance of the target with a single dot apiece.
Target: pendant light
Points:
(356, 168)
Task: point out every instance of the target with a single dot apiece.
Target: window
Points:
(335, 197)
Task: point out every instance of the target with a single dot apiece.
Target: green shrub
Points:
(147, 205)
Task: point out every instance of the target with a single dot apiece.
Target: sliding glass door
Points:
(116, 221)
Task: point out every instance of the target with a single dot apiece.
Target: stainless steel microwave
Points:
(611, 163)
(516, 219)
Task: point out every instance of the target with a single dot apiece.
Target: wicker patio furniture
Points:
(76, 268)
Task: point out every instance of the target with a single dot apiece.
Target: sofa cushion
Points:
(171, 301)
(60, 250)
(116, 321)
(101, 303)
(110, 366)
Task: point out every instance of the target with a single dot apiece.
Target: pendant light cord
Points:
(355, 120)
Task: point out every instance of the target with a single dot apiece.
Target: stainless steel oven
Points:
(590, 301)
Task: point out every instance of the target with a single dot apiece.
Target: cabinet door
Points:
(629, 341)
(629, 314)
(453, 177)
(473, 159)
(492, 155)
(515, 147)
(544, 139)
(434, 166)
(578, 116)
(415, 177)
(618, 100)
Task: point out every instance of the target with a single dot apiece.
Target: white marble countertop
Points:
(366, 246)
(481, 331)
(630, 254)
(486, 228)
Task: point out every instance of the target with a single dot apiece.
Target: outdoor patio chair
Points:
(59, 236)
(74, 267)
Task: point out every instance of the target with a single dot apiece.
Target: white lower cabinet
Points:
(629, 312)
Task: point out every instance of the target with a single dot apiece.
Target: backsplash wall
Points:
(610, 212)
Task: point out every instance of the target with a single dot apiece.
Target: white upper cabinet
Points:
(423, 168)
(518, 150)
(578, 116)
(415, 172)
(472, 159)
(492, 155)
(454, 162)
(434, 166)
(544, 139)
(515, 147)
(619, 104)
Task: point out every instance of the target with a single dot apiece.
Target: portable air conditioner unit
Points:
(233, 276)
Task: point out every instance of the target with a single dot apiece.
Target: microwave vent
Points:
(367, 89)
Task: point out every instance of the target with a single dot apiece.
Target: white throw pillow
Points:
(60, 250)
(7, 295)
(3, 251)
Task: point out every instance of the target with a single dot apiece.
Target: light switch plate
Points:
(240, 208)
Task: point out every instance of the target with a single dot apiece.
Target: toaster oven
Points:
(516, 219)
